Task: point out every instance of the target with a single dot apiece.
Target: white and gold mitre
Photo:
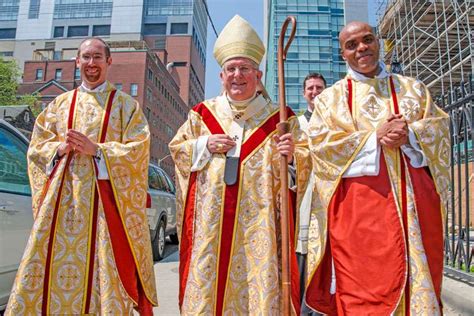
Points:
(238, 39)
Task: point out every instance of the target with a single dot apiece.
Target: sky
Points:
(221, 11)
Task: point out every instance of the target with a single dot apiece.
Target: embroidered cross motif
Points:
(372, 108)
(68, 276)
(235, 138)
(410, 109)
(34, 276)
(73, 224)
(135, 226)
(238, 116)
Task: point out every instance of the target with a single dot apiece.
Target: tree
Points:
(9, 76)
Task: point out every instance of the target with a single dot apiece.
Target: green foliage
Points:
(9, 76)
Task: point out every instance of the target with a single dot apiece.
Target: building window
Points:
(149, 95)
(9, 10)
(134, 89)
(82, 9)
(6, 54)
(155, 29)
(180, 64)
(7, 33)
(179, 28)
(160, 43)
(77, 74)
(59, 31)
(150, 74)
(33, 13)
(58, 55)
(100, 30)
(39, 74)
(79, 30)
(58, 74)
(118, 86)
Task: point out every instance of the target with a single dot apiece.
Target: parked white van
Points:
(16, 218)
(162, 212)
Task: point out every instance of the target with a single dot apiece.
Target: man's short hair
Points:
(106, 46)
(314, 75)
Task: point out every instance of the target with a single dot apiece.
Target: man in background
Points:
(313, 85)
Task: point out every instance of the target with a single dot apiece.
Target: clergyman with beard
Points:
(89, 251)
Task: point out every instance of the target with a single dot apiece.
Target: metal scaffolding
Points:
(432, 40)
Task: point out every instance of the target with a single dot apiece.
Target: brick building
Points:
(44, 35)
(135, 70)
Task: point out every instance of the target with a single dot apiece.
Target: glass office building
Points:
(315, 47)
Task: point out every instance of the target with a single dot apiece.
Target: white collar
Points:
(240, 103)
(99, 88)
(360, 77)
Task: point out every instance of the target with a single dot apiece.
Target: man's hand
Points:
(220, 143)
(393, 133)
(285, 145)
(81, 143)
(64, 148)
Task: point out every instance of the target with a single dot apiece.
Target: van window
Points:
(170, 183)
(164, 184)
(153, 182)
(13, 165)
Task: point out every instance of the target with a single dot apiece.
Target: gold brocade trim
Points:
(424, 149)
(119, 207)
(221, 220)
(91, 218)
(91, 213)
(99, 136)
(399, 199)
(297, 211)
(63, 176)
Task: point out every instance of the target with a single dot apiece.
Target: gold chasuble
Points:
(71, 264)
(229, 234)
(382, 235)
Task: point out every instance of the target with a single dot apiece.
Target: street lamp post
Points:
(160, 160)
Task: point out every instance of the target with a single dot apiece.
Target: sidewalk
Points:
(458, 297)
(167, 282)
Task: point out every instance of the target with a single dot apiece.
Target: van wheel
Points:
(174, 239)
(158, 243)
